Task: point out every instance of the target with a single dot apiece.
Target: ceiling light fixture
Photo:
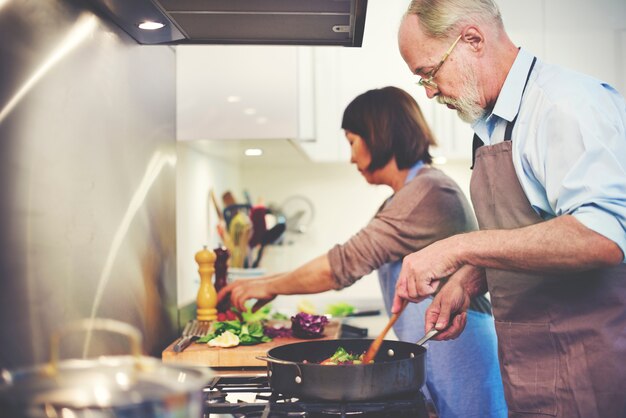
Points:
(148, 25)
(253, 152)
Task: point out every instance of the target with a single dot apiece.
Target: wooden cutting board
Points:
(240, 356)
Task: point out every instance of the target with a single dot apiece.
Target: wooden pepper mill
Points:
(206, 302)
(221, 275)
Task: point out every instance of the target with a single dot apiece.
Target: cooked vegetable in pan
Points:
(341, 356)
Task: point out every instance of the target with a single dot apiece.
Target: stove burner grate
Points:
(252, 397)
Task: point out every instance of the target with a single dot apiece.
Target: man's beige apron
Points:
(561, 338)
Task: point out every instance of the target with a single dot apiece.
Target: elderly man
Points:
(549, 190)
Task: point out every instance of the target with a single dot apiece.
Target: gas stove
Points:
(251, 396)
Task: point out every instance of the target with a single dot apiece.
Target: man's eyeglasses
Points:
(428, 82)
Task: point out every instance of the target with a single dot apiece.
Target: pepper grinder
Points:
(206, 301)
(221, 274)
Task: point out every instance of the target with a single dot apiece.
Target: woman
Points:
(390, 142)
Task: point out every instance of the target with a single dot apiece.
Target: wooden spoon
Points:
(371, 352)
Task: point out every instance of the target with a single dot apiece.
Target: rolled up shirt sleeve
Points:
(574, 161)
(431, 207)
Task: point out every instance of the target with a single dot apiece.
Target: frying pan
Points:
(398, 368)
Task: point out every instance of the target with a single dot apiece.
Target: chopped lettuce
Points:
(249, 333)
(340, 309)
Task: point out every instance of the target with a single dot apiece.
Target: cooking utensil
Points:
(398, 368)
(371, 352)
(231, 211)
(130, 386)
(228, 198)
(430, 334)
(369, 312)
(221, 223)
(240, 232)
(271, 236)
(193, 330)
(257, 216)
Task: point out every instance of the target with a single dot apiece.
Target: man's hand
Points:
(448, 310)
(242, 290)
(423, 271)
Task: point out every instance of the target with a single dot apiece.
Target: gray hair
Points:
(439, 18)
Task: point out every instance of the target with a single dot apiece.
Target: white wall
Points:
(344, 202)
(196, 219)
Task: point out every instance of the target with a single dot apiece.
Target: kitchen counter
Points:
(374, 324)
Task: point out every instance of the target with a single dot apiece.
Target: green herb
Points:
(262, 314)
(280, 316)
(340, 309)
(341, 356)
(249, 333)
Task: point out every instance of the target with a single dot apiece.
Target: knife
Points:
(185, 339)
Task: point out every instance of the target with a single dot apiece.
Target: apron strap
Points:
(508, 133)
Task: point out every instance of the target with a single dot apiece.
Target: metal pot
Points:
(131, 386)
(398, 368)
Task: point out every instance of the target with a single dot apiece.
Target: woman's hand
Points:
(242, 290)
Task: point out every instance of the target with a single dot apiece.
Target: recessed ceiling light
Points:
(233, 99)
(253, 152)
(250, 111)
(148, 25)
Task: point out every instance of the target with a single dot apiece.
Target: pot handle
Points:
(100, 324)
(298, 378)
(430, 334)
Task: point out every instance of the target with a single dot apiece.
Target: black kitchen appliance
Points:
(251, 396)
(267, 22)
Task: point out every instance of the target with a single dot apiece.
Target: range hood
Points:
(266, 22)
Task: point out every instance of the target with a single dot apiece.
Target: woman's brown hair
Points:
(392, 125)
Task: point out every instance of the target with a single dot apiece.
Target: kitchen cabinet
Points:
(298, 92)
(541, 26)
(341, 74)
(241, 92)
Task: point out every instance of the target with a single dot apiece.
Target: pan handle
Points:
(430, 334)
(298, 378)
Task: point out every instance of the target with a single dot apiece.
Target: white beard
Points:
(466, 105)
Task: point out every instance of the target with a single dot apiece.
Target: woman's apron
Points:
(462, 375)
(561, 337)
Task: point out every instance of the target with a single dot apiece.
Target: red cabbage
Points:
(304, 325)
(277, 332)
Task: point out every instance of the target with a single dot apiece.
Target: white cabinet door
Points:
(341, 74)
(240, 92)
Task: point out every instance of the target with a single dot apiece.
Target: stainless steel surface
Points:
(430, 334)
(109, 386)
(193, 330)
(87, 181)
(276, 22)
